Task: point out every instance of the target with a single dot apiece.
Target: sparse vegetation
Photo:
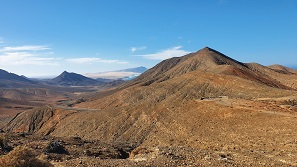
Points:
(205, 90)
(291, 102)
(4, 147)
(22, 157)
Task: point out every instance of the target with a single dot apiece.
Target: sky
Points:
(44, 38)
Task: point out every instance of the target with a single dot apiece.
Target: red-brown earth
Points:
(202, 109)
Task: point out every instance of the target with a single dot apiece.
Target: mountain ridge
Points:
(4, 75)
(202, 100)
(207, 60)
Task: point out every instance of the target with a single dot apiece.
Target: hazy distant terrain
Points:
(125, 74)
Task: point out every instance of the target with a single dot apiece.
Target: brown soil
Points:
(203, 109)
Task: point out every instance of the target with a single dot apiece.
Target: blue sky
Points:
(42, 38)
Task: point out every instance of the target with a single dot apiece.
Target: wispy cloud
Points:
(26, 55)
(25, 48)
(167, 53)
(134, 49)
(91, 60)
(25, 58)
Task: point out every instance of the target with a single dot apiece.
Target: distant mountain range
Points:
(111, 78)
(8, 80)
(126, 74)
(4, 75)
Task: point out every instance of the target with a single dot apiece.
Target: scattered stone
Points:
(56, 147)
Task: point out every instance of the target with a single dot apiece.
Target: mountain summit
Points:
(206, 60)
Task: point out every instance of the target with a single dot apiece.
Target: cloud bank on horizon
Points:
(91, 60)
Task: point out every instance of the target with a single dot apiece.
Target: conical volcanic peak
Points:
(64, 73)
(212, 56)
(206, 48)
(206, 60)
(73, 79)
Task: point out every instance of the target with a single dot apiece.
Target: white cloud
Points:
(167, 53)
(91, 60)
(26, 48)
(25, 58)
(26, 55)
(134, 49)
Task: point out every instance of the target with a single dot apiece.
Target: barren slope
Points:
(206, 60)
(202, 101)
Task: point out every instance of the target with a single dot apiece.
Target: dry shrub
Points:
(291, 102)
(22, 157)
(4, 147)
(2, 142)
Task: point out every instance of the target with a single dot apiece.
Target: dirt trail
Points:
(229, 103)
(76, 109)
(267, 112)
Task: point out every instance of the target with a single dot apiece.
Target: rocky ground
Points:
(78, 152)
(259, 132)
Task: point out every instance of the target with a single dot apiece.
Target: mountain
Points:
(73, 79)
(205, 106)
(283, 69)
(126, 74)
(11, 80)
(209, 61)
(205, 73)
(4, 75)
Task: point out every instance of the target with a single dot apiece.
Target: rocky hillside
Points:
(207, 60)
(201, 101)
